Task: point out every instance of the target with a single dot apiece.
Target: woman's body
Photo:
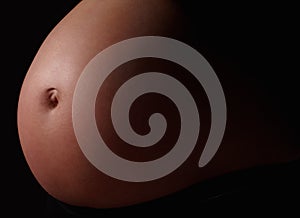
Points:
(45, 107)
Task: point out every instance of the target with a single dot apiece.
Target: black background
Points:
(262, 39)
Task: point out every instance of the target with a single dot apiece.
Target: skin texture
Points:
(45, 109)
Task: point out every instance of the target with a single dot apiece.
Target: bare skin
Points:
(45, 109)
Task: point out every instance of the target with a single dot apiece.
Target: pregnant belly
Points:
(46, 125)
